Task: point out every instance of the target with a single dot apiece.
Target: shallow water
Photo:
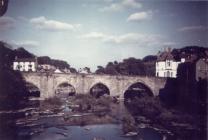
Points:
(49, 128)
(104, 132)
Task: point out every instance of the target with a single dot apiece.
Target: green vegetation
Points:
(196, 51)
(87, 103)
(185, 124)
(130, 66)
(57, 63)
(53, 101)
(146, 66)
(52, 104)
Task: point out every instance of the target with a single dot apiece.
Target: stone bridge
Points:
(82, 83)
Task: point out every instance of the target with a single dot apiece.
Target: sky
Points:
(94, 32)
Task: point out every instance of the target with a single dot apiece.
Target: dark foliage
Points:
(150, 58)
(12, 87)
(199, 52)
(169, 93)
(3, 8)
(146, 66)
(130, 66)
(22, 53)
(57, 63)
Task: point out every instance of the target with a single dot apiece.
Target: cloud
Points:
(169, 44)
(52, 25)
(140, 16)
(7, 23)
(126, 39)
(122, 5)
(193, 28)
(94, 35)
(25, 43)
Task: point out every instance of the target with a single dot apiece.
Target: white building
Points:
(166, 65)
(58, 71)
(46, 67)
(25, 64)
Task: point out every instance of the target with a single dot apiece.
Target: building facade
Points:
(25, 64)
(202, 69)
(166, 65)
(46, 67)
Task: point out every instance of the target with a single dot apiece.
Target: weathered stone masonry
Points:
(47, 83)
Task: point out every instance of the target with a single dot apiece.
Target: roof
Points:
(165, 56)
(25, 60)
(58, 71)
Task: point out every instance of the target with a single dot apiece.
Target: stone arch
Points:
(33, 89)
(139, 84)
(105, 89)
(33, 82)
(65, 86)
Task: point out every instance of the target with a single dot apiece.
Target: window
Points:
(171, 74)
(157, 74)
(18, 67)
(168, 74)
(168, 63)
(30, 65)
(199, 68)
(164, 74)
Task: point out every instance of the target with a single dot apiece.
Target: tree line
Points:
(130, 66)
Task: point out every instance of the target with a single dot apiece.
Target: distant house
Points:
(58, 71)
(25, 64)
(46, 67)
(166, 65)
(202, 69)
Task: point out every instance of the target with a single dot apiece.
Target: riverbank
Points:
(151, 112)
(76, 110)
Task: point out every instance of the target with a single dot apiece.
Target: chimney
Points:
(168, 49)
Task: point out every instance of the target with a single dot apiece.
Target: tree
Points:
(149, 58)
(22, 53)
(87, 69)
(100, 70)
(12, 86)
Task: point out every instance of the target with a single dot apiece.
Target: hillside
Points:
(8, 55)
(12, 84)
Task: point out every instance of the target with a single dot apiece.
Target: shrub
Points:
(53, 101)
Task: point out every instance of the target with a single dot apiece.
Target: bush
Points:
(53, 101)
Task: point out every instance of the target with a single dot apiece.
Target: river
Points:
(30, 124)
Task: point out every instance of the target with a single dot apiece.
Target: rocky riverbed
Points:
(86, 111)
